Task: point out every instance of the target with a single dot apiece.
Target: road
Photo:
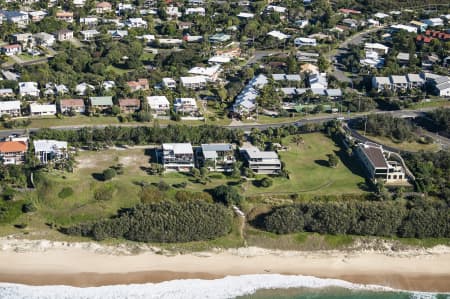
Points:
(333, 56)
(261, 54)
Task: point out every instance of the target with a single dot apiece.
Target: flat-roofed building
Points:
(177, 157)
(264, 162)
(159, 104)
(42, 109)
(217, 157)
(185, 105)
(377, 165)
(50, 150)
(11, 108)
(193, 82)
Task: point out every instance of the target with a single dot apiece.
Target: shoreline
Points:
(401, 282)
(42, 262)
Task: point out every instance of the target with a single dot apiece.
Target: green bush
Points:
(108, 174)
(65, 192)
(105, 192)
(227, 195)
(28, 207)
(9, 211)
(266, 182)
(9, 193)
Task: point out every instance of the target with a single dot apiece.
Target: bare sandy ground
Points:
(90, 264)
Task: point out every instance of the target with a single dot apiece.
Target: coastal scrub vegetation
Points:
(418, 219)
(166, 221)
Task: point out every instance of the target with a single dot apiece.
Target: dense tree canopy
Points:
(420, 220)
(162, 222)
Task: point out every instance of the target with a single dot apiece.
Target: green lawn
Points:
(309, 172)
(46, 122)
(406, 146)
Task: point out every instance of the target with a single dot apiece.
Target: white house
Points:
(246, 15)
(377, 166)
(50, 150)
(28, 89)
(305, 41)
(195, 11)
(210, 73)
(89, 35)
(177, 156)
(193, 82)
(263, 162)
(42, 109)
(434, 22)
(278, 35)
(442, 86)
(6, 92)
(136, 23)
(10, 107)
(380, 49)
(245, 102)
(44, 39)
(185, 105)
(63, 35)
(10, 50)
(89, 21)
(318, 81)
(169, 83)
(19, 18)
(82, 88)
(159, 104)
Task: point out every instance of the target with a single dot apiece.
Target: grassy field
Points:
(406, 146)
(309, 171)
(73, 121)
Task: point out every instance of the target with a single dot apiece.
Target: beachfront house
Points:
(42, 109)
(262, 162)
(12, 152)
(177, 157)
(218, 157)
(50, 150)
(71, 105)
(377, 166)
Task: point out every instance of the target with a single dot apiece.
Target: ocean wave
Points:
(227, 287)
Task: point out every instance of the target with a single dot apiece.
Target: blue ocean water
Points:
(338, 293)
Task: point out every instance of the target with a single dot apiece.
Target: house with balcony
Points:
(21, 19)
(103, 7)
(185, 106)
(12, 152)
(101, 104)
(177, 157)
(159, 105)
(140, 84)
(169, 83)
(66, 16)
(217, 157)
(72, 105)
(210, 73)
(50, 150)
(129, 105)
(377, 165)
(193, 82)
(63, 35)
(6, 93)
(261, 162)
(11, 108)
(10, 50)
(44, 39)
(378, 48)
(89, 35)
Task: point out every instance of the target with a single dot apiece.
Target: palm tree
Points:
(297, 139)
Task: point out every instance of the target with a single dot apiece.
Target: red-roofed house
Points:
(140, 84)
(348, 11)
(103, 7)
(129, 105)
(76, 105)
(429, 35)
(12, 152)
(10, 50)
(65, 16)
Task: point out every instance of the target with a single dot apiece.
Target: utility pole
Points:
(365, 125)
(359, 104)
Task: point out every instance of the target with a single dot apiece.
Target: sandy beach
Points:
(90, 264)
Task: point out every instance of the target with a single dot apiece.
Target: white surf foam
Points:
(228, 287)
